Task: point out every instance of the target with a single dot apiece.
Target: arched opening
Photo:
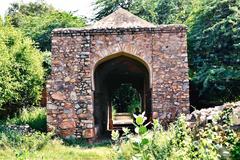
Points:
(121, 89)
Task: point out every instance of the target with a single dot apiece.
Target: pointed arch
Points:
(118, 54)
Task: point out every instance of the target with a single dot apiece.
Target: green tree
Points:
(106, 7)
(38, 19)
(21, 71)
(39, 28)
(126, 99)
(215, 28)
(155, 11)
(17, 11)
(174, 11)
(213, 42)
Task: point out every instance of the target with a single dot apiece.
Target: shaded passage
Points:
(121, 89)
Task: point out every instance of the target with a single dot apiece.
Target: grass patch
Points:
(22, 144)
(83, 143)
(41, 145)
(38, 145)
(55, 149)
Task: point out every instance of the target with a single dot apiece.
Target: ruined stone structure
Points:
(88, 63)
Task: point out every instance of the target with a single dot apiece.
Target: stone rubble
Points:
(24, 129)
(209, 114)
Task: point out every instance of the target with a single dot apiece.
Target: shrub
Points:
(22, 144)
(155, 144)
(21, 71)
(47, 63)
(35, 117)
(235, 152)
(212, 141)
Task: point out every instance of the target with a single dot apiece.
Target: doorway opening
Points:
(121, 89)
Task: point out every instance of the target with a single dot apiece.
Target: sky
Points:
(83, 7)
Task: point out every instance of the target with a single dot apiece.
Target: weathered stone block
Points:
(52, 106)
(58, 96)
(89, 133)
(67, 124)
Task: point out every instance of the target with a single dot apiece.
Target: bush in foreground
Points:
(212, 141)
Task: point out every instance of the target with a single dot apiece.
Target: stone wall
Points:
(170, 90)
(69, 88)
(77, 52)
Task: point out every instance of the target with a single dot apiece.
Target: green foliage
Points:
(106, 7)
(47, 63)
(17, 10)
(22, 144)
(39, 28)
(163, 11)
(213, 41)
(215, 28)
(213, 141)
(222, 83)
(35, 117)
(155, 11)
(21, 71)
(39, 23)
(126, 99)
(235, 152)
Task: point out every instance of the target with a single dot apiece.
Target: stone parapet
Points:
(80, 32)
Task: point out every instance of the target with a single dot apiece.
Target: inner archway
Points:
(112, 79)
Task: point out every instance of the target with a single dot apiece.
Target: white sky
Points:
(83, 7)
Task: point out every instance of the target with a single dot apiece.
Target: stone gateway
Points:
(89, 64)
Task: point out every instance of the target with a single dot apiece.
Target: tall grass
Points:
(38, 145)
(22, 144)
(35, 117)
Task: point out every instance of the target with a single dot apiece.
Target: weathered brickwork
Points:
(69, 89)
(170, 75)
(76, 53)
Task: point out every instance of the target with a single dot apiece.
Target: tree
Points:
(38, 19)
(214, 51)
(174, 11)
(126, 99)
(39, 28)
(17, 11)
(215, 28)
(21, 71)
(106, 7)
(155, 11)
